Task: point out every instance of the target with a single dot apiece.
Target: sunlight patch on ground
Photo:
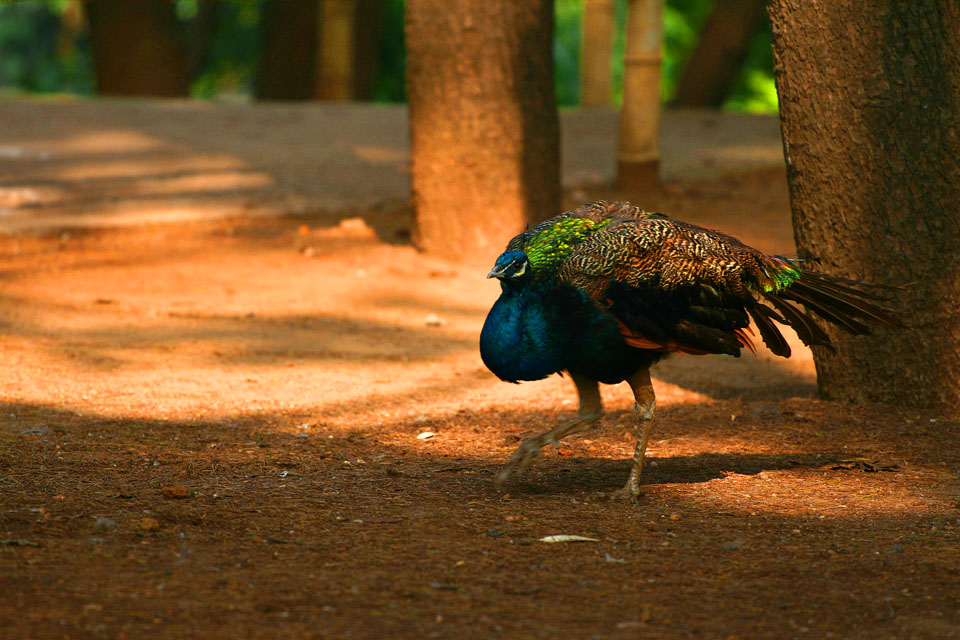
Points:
(94, 143)
(818, 492)
(143, 167)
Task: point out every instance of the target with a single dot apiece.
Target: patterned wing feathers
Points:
(698, 287)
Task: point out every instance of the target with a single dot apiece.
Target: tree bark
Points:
(719, 54)
(596, 78)
(484, 123)
(870, 114)
(137, 48)
(638, 160)
(289, 51)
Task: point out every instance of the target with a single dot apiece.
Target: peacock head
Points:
(511, 267)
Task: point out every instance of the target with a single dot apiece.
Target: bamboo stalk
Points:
(639, 156)
(596, 81)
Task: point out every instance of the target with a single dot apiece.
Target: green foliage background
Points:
(38, 56)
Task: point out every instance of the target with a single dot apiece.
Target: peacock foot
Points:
(528, 450)
(631, 494)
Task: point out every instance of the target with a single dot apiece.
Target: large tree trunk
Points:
(137, 48)
(720, 52)
(596, 79)
(870, 112)
(484, 124)
(638, 159)
(366, 41)
(289, 51)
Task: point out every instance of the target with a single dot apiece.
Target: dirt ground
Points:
(211, 429)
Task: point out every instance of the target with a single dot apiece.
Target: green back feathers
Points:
(548, 248)
(550, 242)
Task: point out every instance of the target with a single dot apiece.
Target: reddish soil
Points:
(210, 430)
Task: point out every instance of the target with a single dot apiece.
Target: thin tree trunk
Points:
(349, 49)
(484, 124)
(870, 112)
(716, 61)
(137, 48)
(596, 79)
(335, 62)
(639, 158)
(289, 50)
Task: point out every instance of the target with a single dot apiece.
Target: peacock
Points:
(606, 290)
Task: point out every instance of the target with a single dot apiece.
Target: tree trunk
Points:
(596, 79)
(369, 25)
(336, 55)
(638, 160)
(870, 113)
(289, 51)
(349, 49)
(137, 48)
(484, 124)
(720, 52)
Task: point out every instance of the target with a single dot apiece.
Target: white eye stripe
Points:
(522, 271)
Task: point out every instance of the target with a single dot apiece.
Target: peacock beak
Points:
(498, 271)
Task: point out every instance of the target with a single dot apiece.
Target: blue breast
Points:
(519, 341)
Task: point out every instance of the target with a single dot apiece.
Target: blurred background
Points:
(247, 50)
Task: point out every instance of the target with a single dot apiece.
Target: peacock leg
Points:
(644, 407)
(591, 410)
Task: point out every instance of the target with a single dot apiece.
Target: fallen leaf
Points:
(862, 465)
(567, 538)
(11, 542)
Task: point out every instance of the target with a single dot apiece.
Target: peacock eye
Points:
(520, 271)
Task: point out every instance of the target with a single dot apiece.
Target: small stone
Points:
(433, 320)
(175, 492)
(149, 524)
(734, 545)
(105, 524)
